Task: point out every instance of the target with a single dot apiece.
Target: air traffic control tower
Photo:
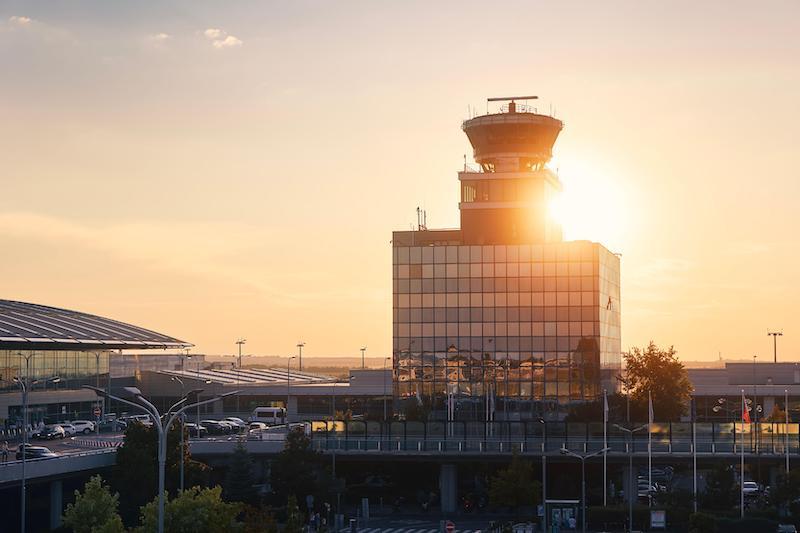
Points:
(502, 318)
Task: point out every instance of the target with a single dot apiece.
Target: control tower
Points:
(507, 202)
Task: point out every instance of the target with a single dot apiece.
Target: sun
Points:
(592, 206)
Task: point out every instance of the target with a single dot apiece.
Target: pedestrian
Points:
(4, 451)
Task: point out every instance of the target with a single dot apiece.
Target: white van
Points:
(271, 416)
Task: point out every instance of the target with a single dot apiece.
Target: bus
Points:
(272, 416)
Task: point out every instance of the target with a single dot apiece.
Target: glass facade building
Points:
(502, 318)
(527, 324)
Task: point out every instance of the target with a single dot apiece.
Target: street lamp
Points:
(300, 345)
(363, 361)
(144, 405)
(384, 388)
(25, 384)
(583, 457)
(544, 472)
(629, 492)
(288, 387)
(183, 430)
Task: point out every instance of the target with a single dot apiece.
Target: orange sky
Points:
(214, 170)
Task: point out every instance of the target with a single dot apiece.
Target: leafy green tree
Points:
(239, 484)
(702, 523)
(722, 490)
(295, 471)
(294, 519)
(136, 472)
(94, 510)
(193, 510)
(258, 520)
(515, 486)
(660, 373)
(787, 491)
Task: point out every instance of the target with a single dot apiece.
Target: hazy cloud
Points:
(220, 39)
(228, 42)
(213, 33)
(20, 21)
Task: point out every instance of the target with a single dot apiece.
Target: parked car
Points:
(84, 426)
(50, 432)
(195, 430)
(751, 488)
(240, 424)
(257, 426)
(69, 429)
(34, 452)
(216, 427)
(786, 528)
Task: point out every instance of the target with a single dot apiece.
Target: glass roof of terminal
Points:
(27, 326)
(251, 376)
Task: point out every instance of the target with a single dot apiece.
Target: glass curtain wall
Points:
(511, 329)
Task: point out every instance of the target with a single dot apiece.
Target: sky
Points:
(215, 170)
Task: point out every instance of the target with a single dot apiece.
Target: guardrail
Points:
(11, 471)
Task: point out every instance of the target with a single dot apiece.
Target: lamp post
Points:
(179, 380)
(583, 457)
(629, 492)
(786, 427)
(384, 388)
(288, 388)
(363, 360)
(775, 335)
(300, 354)
(143, 404)
(24, 385)
(544, 473)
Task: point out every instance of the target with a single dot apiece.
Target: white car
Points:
(84, 426)
(750, 487)
(238, 423)
(258, 426)
(69, 429)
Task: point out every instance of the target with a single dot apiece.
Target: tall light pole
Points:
(143, 404)
(183, 394)
(363, 360)
(583, 457)
(786, 427)
(775, 335)
(544, 473)
(288, 389)
(300, 345)
(629, 493)
(25, 383)
(384, 388)
(239, 343)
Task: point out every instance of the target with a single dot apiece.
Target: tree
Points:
(659, 373)
(193, 510)
(702, 523)
(95, 510)
(258, 520)
(239, 478)
(294, 520)
(787, 492)
(722, 490)
(294, 470)
(777, 415)
(514, 486)
(136, 472)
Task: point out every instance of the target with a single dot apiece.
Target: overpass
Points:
(448, 443)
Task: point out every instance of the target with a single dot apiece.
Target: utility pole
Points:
(775, 335)
(300, 345)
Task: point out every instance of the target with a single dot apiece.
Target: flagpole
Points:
(650, 450)
(605, 448)
(741, 467)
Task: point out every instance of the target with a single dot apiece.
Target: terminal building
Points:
(56, 351)
(502, 318)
